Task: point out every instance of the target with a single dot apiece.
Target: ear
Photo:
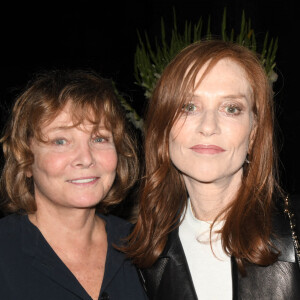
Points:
(252, 135)
(28, 173)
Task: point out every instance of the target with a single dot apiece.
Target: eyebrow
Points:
(229, 96)
(235, 96)
(60, 128)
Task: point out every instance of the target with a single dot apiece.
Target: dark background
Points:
(103, 36)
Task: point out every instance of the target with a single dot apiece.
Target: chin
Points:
(86, 202)
(204, 176)
(207, 180)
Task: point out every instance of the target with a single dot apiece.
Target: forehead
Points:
(71, 117)
(226, 76)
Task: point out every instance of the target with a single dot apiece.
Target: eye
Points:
(189, 107)
(99, 139)
(60, 142)
(233, 109)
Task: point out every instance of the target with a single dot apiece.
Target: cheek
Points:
(239, 136)
(48, 163)
(179, 134)
(108, 160)
(177, 156)
(173, 146)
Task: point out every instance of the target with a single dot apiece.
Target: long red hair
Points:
(247, 230)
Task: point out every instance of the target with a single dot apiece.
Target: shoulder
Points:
(294, 207)
(117, 221)
(10, 235)
(285, 228)
(290, 207)
(294, 201)
(116, 227)
(9, 224)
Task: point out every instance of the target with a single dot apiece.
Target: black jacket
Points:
(170, 278)
(31, 270)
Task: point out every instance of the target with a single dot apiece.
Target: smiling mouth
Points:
(83, 180)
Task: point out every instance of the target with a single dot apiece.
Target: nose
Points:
(208, 123)
(83, 156)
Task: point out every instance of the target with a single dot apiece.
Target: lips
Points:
(88, 180)
(207, 149)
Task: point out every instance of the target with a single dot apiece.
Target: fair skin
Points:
(72, 173)
(210, 141)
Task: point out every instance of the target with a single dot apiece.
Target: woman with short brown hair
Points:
(69, 158)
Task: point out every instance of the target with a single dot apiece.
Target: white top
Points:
(211, 273)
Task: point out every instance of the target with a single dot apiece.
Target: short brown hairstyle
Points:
(92, 98)
(247, 230)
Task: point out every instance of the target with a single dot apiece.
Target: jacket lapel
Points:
(46, 261)
(169, 277)
(277, 281)
(114, 258)
(234, 276)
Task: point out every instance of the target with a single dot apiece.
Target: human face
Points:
(210, 140)
(76, 168)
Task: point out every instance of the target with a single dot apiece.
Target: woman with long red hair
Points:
(210, 223)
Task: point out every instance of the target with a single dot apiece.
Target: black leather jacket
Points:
(170, 278)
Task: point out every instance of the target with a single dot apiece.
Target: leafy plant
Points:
(149, 61)
(131, 114)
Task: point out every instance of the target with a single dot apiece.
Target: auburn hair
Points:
(246, 233)
(92, 99)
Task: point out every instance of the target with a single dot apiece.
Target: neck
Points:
(66, 225)
(209, 199)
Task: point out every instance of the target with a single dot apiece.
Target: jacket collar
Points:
(116, 231)
(46, 261)
(171, 260)
(173, 253)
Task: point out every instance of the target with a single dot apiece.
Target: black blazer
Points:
(170, 278)
(31, 270)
